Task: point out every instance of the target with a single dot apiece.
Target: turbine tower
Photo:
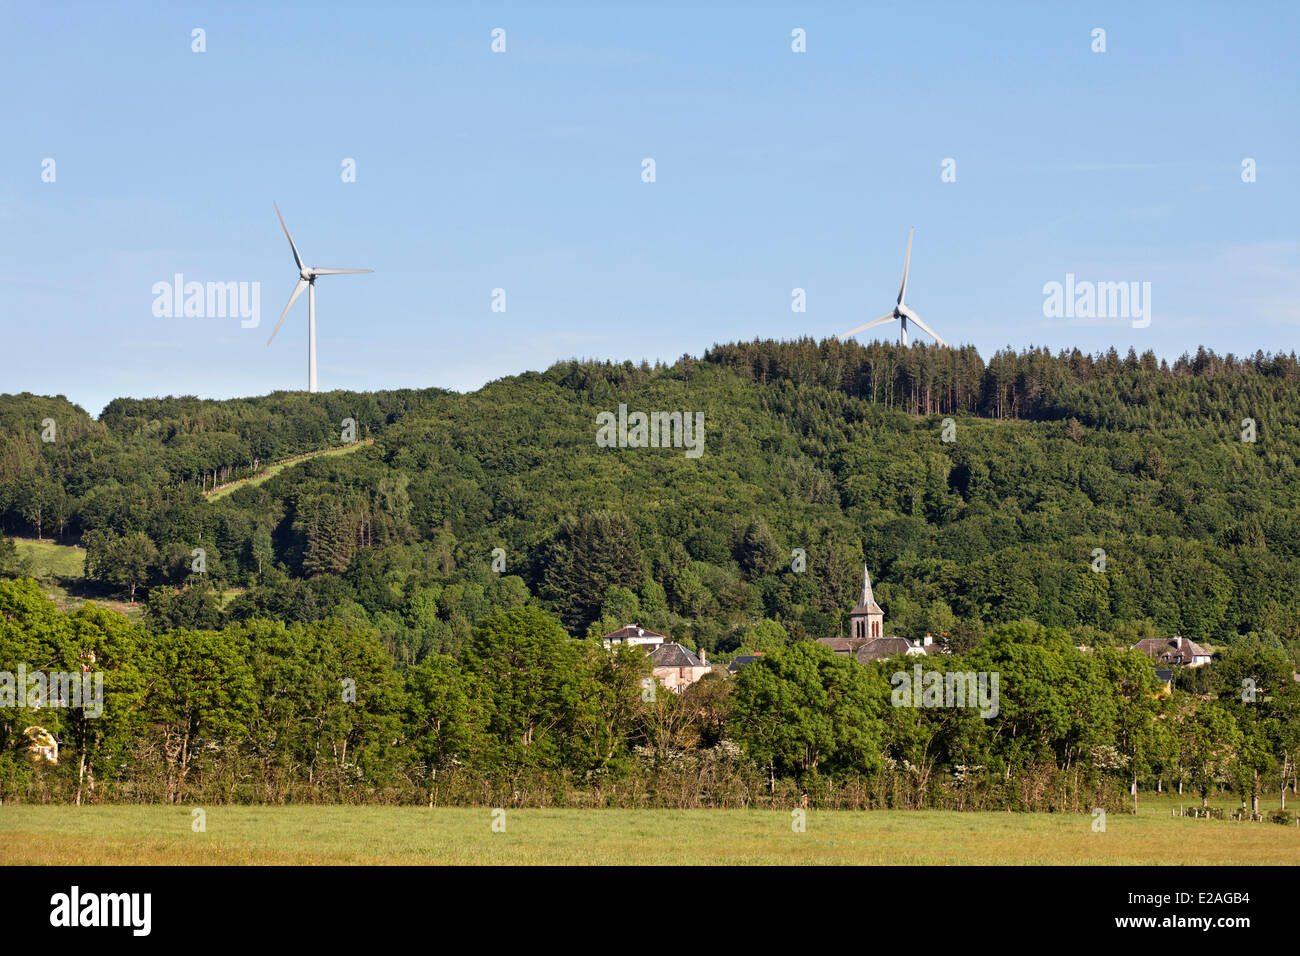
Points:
(901, 312)
(306, 279)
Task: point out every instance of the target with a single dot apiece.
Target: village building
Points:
(1175, 652)
(867, 620)
(633, 635)
(867, 640)
(674, 666)
(743, 660)
(890, 646)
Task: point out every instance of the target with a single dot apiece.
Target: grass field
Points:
(60, 570)
(412, 835)
(50, 560)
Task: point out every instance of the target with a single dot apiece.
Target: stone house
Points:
(676, 667)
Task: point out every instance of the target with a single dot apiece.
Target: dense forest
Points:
(1017, 507)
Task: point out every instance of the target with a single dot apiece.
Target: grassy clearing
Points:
(60, 569)
(50, 560)
(67, 602)
(412, 835)
(270, 471)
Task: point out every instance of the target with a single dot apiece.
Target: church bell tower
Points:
(867, 620)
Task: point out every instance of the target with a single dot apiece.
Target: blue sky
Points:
(522, 171)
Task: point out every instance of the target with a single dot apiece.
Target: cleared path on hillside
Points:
(276, 467)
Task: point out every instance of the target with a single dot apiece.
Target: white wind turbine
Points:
(306, 280)
(901, 312)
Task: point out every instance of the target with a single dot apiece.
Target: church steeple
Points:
(867, 597)
(867, 620)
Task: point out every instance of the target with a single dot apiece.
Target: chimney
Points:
(704, 659)
(928, 640)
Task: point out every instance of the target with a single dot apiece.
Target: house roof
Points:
(673, 655)
(1176, 650)
(742, 661)
(632, 631)
(883, 647)
(871, 648)
(842, 645)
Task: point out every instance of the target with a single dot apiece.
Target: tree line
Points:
(268, 712)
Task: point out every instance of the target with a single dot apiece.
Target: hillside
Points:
(837, 450)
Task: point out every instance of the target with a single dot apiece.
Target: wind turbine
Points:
(306, 280)
(901, 312)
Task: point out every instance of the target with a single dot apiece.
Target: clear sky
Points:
(523, 171)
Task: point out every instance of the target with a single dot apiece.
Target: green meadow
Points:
(125, 835)
(50, 560)
(61, 571)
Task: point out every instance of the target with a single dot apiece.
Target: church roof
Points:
(883, 647)
(867, 603)
(870, 608)
(842, 645)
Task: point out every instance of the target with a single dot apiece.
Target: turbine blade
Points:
(336, 272)
(296, 258)
(903, 288)
(862, 328)
(925, 328)
(297, 291)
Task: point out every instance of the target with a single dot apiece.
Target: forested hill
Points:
(820, 456)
